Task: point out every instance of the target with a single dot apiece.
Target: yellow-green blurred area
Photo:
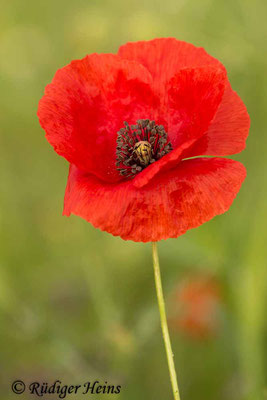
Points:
(77, 304)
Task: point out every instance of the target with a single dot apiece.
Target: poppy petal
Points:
(180, 199)
(193, 97)
(228, 130)
(164, 57)
(86, 104)
(167, 162)
(192, 101)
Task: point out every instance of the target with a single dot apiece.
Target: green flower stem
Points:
(164, 324)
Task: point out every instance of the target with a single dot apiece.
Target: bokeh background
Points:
(77, 304)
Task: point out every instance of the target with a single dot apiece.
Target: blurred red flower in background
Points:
(127, 124)
(195, 307)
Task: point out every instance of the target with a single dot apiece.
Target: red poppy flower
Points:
(127, 124)
(196, 307)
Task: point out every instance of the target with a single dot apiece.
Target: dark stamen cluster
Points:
(140, 145)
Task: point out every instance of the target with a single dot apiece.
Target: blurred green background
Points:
(77, 304)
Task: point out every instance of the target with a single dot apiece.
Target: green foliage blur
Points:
(77, 304)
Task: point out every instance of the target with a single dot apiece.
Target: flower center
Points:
(140, 145)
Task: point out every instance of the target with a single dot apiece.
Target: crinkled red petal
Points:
(178, 200)
(193, 97)
(228, 130)
(86, 104)
(167, 162)
(163, 58)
